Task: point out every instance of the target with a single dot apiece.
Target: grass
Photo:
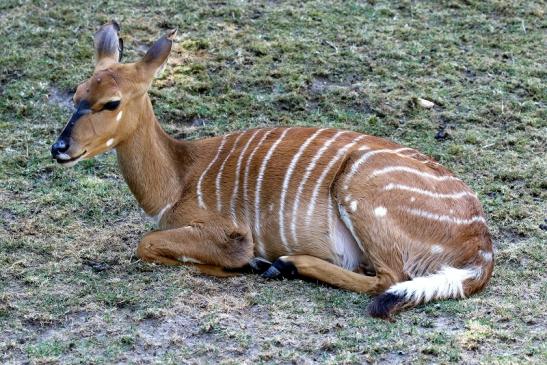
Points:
(71, 289)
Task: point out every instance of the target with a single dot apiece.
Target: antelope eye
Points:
(111, 105)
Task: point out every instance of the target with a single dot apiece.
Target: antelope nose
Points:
(60, 146)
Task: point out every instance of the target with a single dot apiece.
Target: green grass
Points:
(71, 289)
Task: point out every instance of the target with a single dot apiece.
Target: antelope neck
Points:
(152, 163)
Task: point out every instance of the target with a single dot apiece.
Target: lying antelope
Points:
(347, 209)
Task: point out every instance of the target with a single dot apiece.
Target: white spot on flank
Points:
(110, 142)
(380, 212)
(119, 116)
(220, 170)
(189, 260)
(157, 218)
(460, 194)
(261, 177)
(353, 206)
(201, 203)
(435, 249)
(444, 218)
(307, 173)
(341, 152)
(238, 172)
(487, 256)
(444, 284)
(413, 199)
(285, 185)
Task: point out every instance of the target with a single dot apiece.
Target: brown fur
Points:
(164, 175)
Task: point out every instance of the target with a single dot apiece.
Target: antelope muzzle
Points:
(60, 149)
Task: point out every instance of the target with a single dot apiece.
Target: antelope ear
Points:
(108, 46)
(156, 56)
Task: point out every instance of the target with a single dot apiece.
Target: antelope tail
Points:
(447, 283)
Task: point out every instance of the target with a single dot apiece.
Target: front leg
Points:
(212, 246)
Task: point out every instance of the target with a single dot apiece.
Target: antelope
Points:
(343, 208)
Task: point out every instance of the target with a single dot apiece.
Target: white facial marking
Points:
(444, 284)
(119, 116)
(435, 249)
(457, 195)
(319, 183)
(201, 203)
(110, 142)
(221, 170)
(63, 156)
(444, 218)
(286, 182)
(238, 173)
(307, 173)
(353, 206)
(259, 179)
(380, 212)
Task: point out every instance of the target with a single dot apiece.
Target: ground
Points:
(71, 288)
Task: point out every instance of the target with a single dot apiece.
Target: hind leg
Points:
(315, 268)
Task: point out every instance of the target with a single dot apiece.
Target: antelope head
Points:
(109, 102)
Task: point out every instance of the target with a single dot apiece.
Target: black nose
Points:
(60, 146)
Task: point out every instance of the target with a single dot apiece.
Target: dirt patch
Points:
(60, 97)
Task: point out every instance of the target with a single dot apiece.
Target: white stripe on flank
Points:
(259, 179)
(397, 151)
(444, 218)
(410, 170)
(238, 172)
(221, 169)
(330, 215)
(436, 249)
(286, 182)
(364, 157)
(392, 186)
(341, 152)
(444, 284)
(247, 168)
(258, 244)
(344, 216)
(200, 181)
(309, 170)
(157, 218)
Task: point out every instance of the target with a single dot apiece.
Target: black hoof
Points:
(259, 265)
(281, 269)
